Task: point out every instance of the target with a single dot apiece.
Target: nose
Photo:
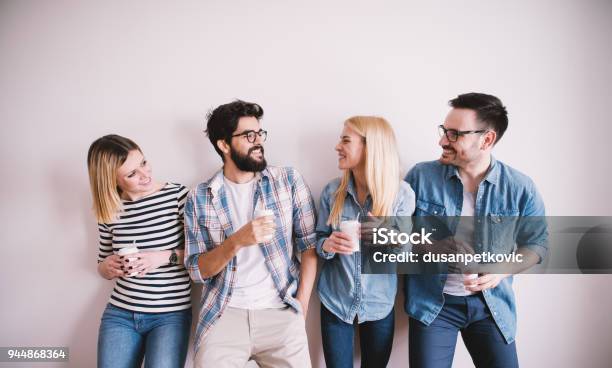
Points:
(337, 148)
(443, 141)
(143, 172)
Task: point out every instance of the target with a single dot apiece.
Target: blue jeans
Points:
(433, 346)
(376, 340)
(126, 337)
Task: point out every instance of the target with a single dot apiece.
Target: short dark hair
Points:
(489, 110)
(223, 121)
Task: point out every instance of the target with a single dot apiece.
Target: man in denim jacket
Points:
(467, 181)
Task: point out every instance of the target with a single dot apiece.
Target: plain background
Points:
(71, 71)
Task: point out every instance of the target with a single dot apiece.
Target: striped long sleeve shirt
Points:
(152, 223)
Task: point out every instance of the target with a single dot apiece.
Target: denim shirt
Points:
(503, 194)
(343, 289)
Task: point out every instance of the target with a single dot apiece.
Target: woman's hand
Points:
(144, 262)
(110, 268)
(338, 242)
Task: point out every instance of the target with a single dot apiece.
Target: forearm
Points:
(530, 258)
(308, 273)
(212, 262)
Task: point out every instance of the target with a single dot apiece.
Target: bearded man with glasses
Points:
(479, 204)
(244, 231)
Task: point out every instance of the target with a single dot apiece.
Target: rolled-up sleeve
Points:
(196, 238)
(533, 227)
(304, 216)
(323, 229)
(403, 213)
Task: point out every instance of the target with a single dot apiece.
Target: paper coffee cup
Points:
(351, 228)
(264, 213)
(127, 251)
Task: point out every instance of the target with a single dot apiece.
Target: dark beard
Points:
(246, 163)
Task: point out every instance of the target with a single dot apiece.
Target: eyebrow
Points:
(247, 131)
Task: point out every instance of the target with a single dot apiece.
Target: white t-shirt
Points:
(465, 232)
(253, 285)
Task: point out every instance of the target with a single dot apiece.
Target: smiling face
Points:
(247, 156)
(351, 149)
(468, 148)
(134, 176)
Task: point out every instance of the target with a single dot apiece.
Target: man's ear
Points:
(489, 139)
(223, 146)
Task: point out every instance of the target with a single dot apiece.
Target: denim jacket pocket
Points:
(424, 208)
(432, 218)
(502, 227)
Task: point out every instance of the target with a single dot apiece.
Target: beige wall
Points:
(71, 71)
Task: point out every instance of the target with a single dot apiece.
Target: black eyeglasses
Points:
(453, 134)
(251, 135)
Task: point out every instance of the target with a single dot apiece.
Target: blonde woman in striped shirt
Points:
(149, 311)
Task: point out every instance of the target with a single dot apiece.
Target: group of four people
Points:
(251, 238)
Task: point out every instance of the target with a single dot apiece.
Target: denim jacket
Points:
(343, 289)
(504, 194)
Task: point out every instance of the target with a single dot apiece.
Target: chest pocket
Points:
(212, 229)
(502, 230)
(282, 206)
(424, 208)
(432, 218)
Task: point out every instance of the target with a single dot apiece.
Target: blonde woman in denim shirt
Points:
(370, 185)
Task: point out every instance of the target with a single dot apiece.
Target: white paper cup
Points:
(127, 251)
(264, 213)
(470, 276)
(351, 228)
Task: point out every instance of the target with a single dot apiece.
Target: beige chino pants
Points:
(270, 337)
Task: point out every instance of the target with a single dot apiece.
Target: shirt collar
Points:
(350, 189)
(492, 174)
(216, 183)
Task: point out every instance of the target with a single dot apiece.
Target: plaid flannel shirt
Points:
(208, 224)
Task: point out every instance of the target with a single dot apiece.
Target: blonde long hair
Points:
(105, 156)
(381, 167)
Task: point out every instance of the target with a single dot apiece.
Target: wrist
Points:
(325, 246)
(233, 244)
(103, 271)
(172, 257)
